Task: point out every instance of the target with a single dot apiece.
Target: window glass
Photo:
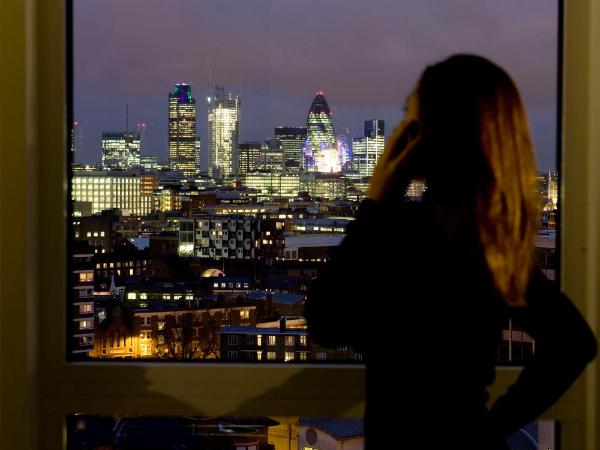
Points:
(222, 162)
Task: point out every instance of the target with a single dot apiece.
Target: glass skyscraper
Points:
(184, 146)
(248, 157)
(120, 150)
(367, 150)
(292, 139)
(223, 132)
(319, 124)
(321, 151)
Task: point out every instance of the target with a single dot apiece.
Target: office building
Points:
(223, 132)
(272, 157)
(149, 163)
(111, 189)
(120, 150)
(184, 145)
(292, 139)
(366, 150)
(248, 157)
(271, 184)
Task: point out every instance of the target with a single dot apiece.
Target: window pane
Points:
(218, 167)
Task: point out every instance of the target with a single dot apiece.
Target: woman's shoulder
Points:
(427, 216)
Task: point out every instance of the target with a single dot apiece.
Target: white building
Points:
(111, 189)
(223, 132)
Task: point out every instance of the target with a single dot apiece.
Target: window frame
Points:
(35, 402)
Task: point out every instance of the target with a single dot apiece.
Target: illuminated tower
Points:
(184, 146)
(223, 132)
(367, 150)
(248, 157)
(321, 151)
(120, 150)
(292, 139)
(319, 124)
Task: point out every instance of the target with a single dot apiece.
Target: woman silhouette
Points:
(424, 288)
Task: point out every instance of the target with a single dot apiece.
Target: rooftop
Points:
(255, 330)
(340, 429)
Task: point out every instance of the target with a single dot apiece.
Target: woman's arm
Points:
(564, 345)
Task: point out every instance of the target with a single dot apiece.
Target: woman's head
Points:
(474, 149)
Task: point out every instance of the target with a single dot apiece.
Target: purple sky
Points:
(365, 55)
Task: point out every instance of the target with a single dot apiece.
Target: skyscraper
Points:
(272, 157)
(321, 152)
(120, 150)
(319, 124)
(184, 146)
(248, 157)
(367, 150)
(292, 139)
(223, 132)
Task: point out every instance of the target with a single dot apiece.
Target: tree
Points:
(187, 336)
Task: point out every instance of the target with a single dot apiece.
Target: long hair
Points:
(470, 144)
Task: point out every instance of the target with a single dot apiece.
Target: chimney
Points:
(269, 305)
(282, 324)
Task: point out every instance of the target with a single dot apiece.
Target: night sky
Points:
(365, 55)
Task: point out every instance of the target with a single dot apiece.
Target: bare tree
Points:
(187, 336)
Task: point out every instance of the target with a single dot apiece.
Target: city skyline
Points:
(274, 64)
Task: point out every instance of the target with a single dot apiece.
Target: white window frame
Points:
(38, 388)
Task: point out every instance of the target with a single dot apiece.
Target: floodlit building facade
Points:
(223, 132)
(111, 189)
(272, 184)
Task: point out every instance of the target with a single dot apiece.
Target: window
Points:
(303, 356)
(290, 341)
(232, 355)
(250, 339)
(303, 340)
(232, 340)
(202, 144)
(86, 309)
(161, 325)
(86, 324)
(321, 356)
(271, 355)
(272, 340)
(86, 277)
(289, 356)
(259, 340)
